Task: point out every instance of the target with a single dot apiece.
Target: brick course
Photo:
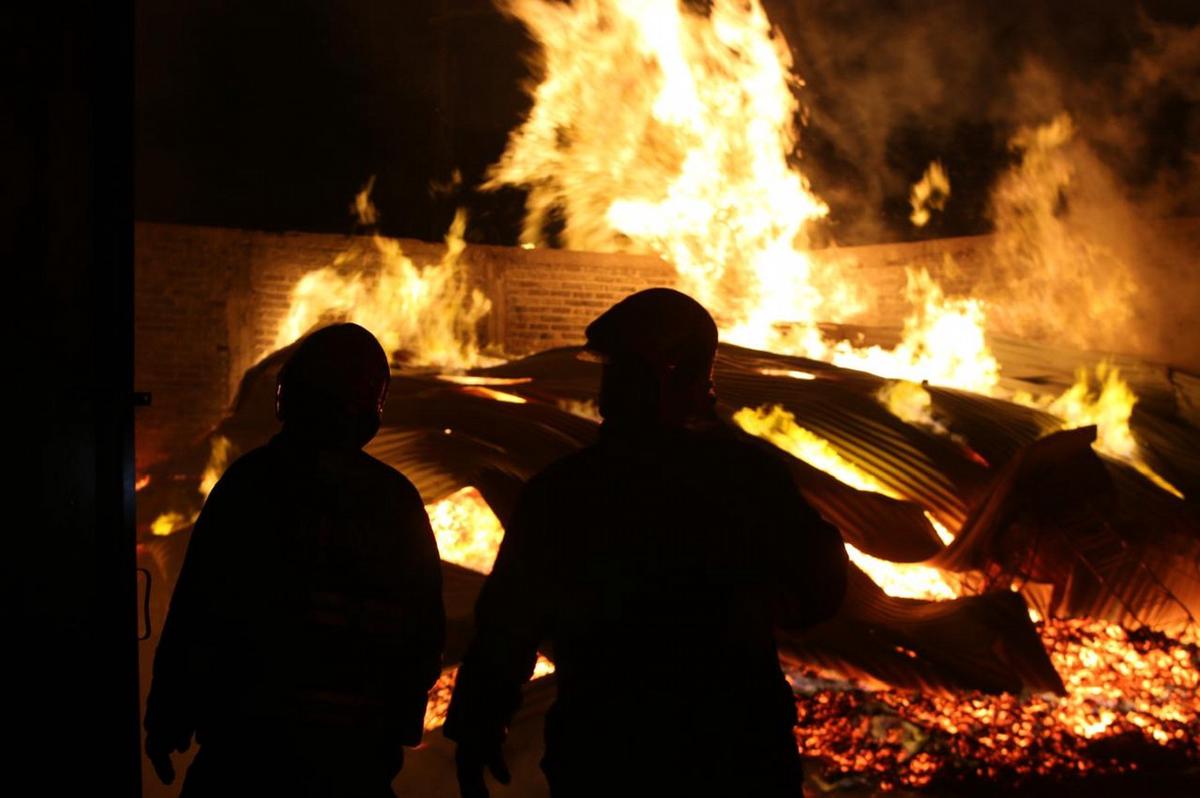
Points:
(208, 302)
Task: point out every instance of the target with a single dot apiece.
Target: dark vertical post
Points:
(72, 713)
(111, 83)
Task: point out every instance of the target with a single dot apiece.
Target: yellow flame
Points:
(904, 580)
(430, 313)
(931, 191)
(168, 523)
(443, 689)
(943, 342)
(218, 460)
(467, 531)
(910, 403)
(1108, 405)
(663, 129)
(657, 128)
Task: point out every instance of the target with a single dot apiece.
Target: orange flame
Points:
(467, 531)
(931, 191)
(428, 312)
(443, 689)
(904, 580)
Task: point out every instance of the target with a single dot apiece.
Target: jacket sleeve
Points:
(171, 706)
(510, 623)
(811, 556)
(416, 655)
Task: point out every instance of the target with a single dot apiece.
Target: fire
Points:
(443, 689)
(687, 150)
(1109, 407)
(169, 523)
(904, 580)
(931, 191)
(467, 531)
(778, 426)
(943, 342)
(1051, 277)
(660, 129)
(1108, 404)
(794, 374)
(430, 313)
(217, 462)
(1132, 688)
(910, 403)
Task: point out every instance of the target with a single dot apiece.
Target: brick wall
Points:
(208, 302)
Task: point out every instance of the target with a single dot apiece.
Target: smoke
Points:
(1082, 256)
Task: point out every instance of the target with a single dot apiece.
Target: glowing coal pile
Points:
(1131, 700)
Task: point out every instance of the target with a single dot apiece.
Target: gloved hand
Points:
(159, 748)
(471, 760)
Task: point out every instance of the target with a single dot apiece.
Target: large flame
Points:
(657, 128)
(427, 313)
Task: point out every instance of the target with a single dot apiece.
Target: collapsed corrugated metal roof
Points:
(1031, 508)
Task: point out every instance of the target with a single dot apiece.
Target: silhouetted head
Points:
(657, 347)
(332, 389)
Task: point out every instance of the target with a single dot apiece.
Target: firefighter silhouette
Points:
(306, 627)
(654, 567)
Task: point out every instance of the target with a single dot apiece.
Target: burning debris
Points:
(1026, 575)
(934, 670)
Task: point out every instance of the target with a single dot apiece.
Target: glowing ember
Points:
(467, 379)
(443, 689)
(931, 191)
(429, 313)
(467, 531)
(1126, 692)
(142, 481)
(792, 373)
(491, 393)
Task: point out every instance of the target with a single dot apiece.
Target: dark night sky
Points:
(272, 114)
